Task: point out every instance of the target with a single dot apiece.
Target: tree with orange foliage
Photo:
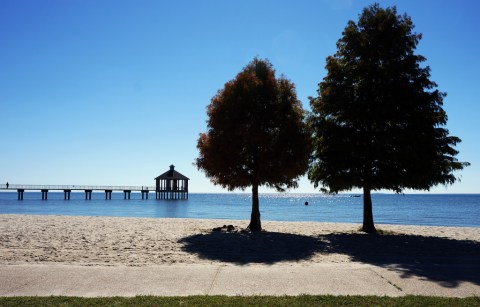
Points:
(256, 135)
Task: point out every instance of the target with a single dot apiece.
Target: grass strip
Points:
(302, 300)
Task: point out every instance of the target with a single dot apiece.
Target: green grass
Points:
(303, 300)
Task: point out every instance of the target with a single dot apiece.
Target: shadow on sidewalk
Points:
(445, 261)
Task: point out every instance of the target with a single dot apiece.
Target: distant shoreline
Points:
(247, 193)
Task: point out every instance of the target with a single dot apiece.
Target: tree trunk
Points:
(368, 225)
(255, 224)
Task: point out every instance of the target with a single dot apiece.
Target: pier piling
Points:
(66, 194)
(20, 194)
(88, 194)
(108, 194)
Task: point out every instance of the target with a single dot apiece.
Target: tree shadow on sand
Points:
(244, 247)
(445, 261)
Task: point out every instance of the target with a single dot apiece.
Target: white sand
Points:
(108, 241)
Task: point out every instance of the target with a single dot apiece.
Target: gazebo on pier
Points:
(171, 185)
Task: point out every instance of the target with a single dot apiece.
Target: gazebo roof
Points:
(172, 174)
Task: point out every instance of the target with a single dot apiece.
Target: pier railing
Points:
(76, 187)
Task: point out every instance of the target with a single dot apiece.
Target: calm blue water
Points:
(438, 210)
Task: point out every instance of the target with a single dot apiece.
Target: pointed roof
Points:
(172, 174)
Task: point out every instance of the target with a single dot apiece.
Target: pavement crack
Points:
(214, 280)
(388, 281)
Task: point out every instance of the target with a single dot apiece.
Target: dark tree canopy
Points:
(378, 122)
(256, 134)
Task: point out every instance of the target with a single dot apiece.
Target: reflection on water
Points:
(442, 210)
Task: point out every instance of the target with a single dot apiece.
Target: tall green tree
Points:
(378, 122)
(256, 135)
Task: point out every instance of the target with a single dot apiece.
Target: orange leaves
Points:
(256, 133)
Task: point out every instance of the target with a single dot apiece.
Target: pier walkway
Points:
(67, 189)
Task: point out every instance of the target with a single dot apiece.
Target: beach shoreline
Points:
(126, 241)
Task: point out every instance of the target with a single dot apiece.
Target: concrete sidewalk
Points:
(181, 280)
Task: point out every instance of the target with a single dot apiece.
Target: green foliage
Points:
(378, 121)
(303, 300)
(256, 133)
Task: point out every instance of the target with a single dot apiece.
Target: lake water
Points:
(409, 209)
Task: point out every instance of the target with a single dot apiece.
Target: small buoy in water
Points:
(306, 203)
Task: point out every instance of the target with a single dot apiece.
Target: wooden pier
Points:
(170, 185)
(67, 190)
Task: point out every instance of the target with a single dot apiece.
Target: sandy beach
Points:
(109, 256)
(113, 241)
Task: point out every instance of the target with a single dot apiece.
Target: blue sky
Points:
(113, 92)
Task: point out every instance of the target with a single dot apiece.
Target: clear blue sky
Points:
(112, 92)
